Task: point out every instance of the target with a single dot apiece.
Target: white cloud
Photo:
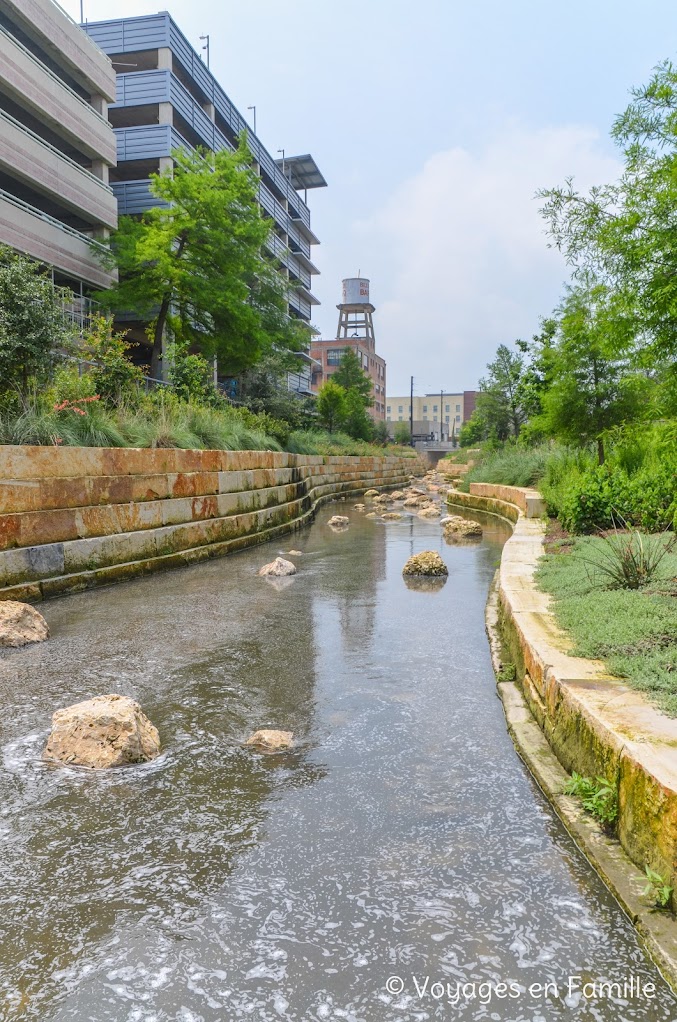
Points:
(468, 254)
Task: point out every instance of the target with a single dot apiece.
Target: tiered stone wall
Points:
(75, 517)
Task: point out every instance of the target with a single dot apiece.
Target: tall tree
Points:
(498, 412)
(351, 376)
(625, 232)
(593, 385)
(193, 265)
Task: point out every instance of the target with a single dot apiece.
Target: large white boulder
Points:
(21, 624)
(106, 731)
(278, 568)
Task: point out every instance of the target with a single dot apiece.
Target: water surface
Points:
(403, 837)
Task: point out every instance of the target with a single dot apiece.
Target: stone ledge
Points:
(594, 724)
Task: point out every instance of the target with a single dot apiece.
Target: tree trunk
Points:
(600, 451)
(156, 366)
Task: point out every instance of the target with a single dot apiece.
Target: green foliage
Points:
(331, 406)
(658, 890)
(511, 465)
(194, 264)
(356, 420)
(634, 631)
(113, 376)
(351, 376)
(32, 323)
(402, 433)
(629, 560)
(499, 411)
(381, 433)
(190, 375)
(593, 385)
(598, 797)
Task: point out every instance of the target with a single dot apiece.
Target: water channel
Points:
(402, 839)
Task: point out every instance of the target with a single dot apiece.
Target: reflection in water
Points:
(401, 837)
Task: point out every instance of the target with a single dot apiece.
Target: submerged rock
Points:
(21, 624)
(372, 514)
(278, 568)
(295, 553)
(359, 507)
(425, 583)
(428, 562)
(338, 521)
(106, 731)
(269, 740)
(391, 516)
(371, 493)
(397, 495)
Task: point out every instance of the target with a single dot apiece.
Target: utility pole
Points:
(411, 412)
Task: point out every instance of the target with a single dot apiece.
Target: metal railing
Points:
(81, 27)
(55, 78)
(27, 208)
(57, 152)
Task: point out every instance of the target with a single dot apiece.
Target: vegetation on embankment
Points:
(634, 631)
(637, 483)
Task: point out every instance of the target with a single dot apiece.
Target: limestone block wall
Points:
(594, 723)
(75, 517)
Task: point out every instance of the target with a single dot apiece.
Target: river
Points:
(400, 864)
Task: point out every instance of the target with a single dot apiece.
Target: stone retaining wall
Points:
(595, 723)
(74, 517)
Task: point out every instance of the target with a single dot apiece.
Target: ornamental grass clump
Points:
(629, 560)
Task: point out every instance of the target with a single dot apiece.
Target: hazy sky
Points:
(434, 122)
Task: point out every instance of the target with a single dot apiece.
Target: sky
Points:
(434, 122)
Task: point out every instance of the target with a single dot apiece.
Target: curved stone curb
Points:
(568, 712)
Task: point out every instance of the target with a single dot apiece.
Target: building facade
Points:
(441, 414)
(355, 331)
(56, 144)
(167, 99)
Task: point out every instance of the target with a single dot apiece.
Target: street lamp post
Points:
(253, 108)
(206, 46)
(284, 173)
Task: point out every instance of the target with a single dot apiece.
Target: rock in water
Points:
(295, 553)
(278, 568)
(20, 624)
(272, 741)
(106, 731)
(428, 562)
(432, 511)
(391, 516)
(338, 521)
(462, 526)
(371, 493)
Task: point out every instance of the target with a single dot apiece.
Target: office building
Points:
(432, 412)
(56, 145)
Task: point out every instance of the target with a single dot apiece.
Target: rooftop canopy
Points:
(302, 171)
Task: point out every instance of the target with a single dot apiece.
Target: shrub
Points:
(598, 797)
(114, 376)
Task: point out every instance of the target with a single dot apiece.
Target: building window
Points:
(389, 409)
(400, 419)
(388, 418)
(458, 408)
(334, 356)
(434, 408)
(458, 418)
(447, 409)
(425, 418)
(399, 408)
(446, 417)
(425, 408)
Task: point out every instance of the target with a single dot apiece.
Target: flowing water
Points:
(400, 864)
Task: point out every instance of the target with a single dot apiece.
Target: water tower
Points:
(355, 312)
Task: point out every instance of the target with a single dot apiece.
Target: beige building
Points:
(431, 411)
(56, 144)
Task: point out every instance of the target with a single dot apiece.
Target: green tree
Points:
(351, 376)
(193, 266)
(402, 433)
(499, 412)
(331, 406)
(625, 232)
(381, 433)
(594, 385)
(357, 422)
(190, 374)
(32, 322)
